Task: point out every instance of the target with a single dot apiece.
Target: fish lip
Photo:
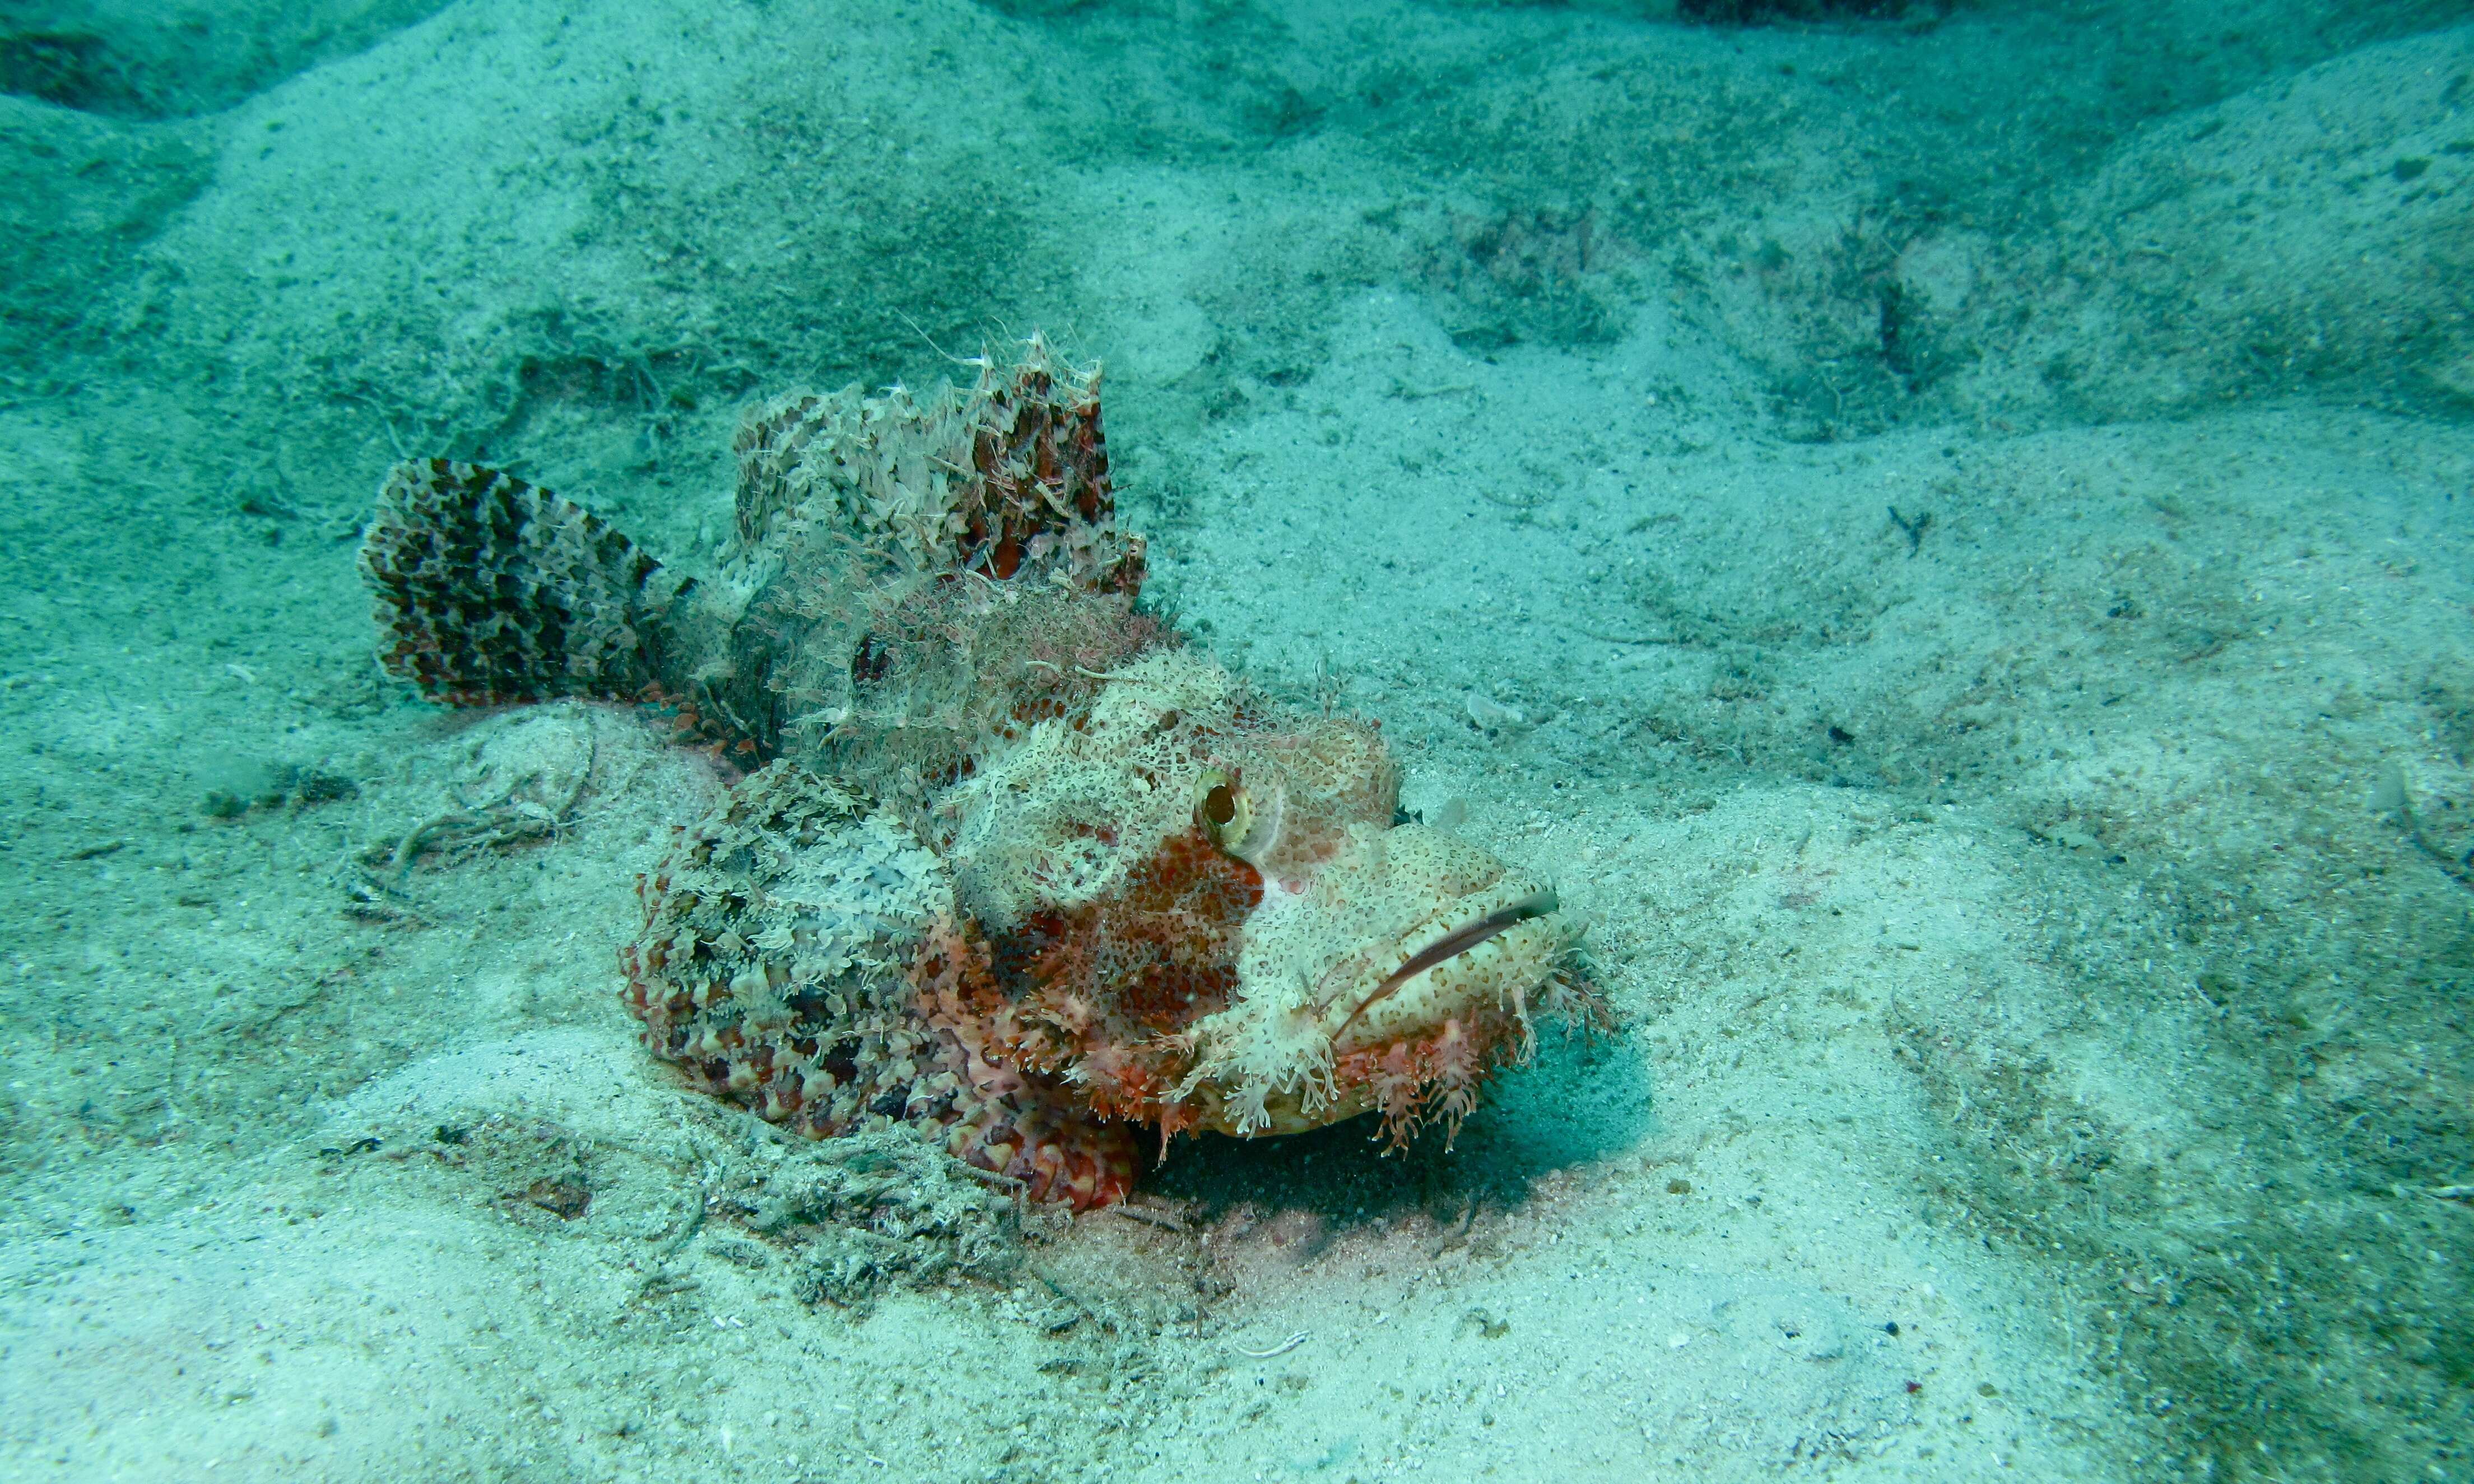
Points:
(1454, 942)
(1539, 902)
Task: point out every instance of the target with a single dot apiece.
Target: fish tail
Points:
(493, 591)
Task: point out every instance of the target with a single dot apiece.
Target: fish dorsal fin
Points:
(1008, 478)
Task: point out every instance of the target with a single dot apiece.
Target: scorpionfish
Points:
(1004, 860)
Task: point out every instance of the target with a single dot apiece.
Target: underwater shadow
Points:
(1582, 1100)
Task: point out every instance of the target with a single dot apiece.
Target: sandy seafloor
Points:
(2038, 920)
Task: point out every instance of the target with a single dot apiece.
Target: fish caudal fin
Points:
(493, 591)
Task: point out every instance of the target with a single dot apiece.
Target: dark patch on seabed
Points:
(139, 62)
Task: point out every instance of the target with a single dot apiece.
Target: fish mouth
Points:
(1394, 965)
(1495, 912)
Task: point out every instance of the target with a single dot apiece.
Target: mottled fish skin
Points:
(1014, 866)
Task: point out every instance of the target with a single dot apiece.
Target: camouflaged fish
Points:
(1009, 862)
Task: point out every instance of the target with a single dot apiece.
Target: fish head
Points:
(1205, 909)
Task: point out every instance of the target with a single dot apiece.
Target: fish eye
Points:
(1221, 810)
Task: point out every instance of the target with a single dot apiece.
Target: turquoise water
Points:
(1941, 528)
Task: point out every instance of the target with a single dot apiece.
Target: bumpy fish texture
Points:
(773, 968)
(1019, 870)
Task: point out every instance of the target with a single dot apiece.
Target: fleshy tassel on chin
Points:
(1436, 1079)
